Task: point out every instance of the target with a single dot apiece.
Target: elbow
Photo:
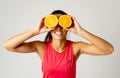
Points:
(110, 50)
(7, 47)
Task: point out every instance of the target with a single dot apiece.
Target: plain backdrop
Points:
(100, 17)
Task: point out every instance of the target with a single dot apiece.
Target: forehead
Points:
(58, 15)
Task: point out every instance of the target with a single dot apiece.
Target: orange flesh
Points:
(65, 21)
(51, 21)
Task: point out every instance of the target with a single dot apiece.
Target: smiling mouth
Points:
(59, 33)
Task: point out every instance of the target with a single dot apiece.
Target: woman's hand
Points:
(76, 26)
(41, 28)
(97, 46)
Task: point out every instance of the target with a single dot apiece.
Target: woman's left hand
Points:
(76, 26)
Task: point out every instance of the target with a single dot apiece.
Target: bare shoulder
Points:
(40, 45)
(77, 48)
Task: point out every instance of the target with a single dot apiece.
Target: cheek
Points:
(65, 32)
(52, 33)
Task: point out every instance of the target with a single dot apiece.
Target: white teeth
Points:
(58, 33)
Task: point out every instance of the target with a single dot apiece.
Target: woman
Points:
(58, 55)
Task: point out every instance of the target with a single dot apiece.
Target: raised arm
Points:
(97, 45)
(18, 42)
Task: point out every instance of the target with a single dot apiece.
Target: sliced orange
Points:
(65, 21)
(51, 21)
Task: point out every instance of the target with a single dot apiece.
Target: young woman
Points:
(58, 55)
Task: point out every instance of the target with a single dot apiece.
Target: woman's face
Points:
(59, 32)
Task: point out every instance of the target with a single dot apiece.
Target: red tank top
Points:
(59, 65)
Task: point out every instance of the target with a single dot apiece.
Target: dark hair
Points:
(59, 12)
(49, 36)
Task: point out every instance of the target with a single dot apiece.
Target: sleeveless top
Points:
(59, 65)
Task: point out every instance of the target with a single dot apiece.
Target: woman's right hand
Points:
(17, 43)
(41, 28)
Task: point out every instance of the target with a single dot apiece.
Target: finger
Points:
(49, 29)
(66, 29)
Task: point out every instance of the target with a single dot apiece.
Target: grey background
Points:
(100, 17)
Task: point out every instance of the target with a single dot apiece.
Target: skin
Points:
(97, 45)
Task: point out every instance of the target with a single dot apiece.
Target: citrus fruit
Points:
(65, 21)
(51, 21)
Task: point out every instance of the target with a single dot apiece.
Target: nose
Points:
(59, 27)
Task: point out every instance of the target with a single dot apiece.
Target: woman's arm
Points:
(17, 43)
(97, 45)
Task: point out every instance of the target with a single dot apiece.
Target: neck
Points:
(59, 45)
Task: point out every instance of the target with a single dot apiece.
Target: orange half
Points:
(51, 21)
(65, 21)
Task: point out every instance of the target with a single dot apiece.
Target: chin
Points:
(60, 38)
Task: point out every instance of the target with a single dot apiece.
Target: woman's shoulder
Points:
(76, 45)
(40, 46)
